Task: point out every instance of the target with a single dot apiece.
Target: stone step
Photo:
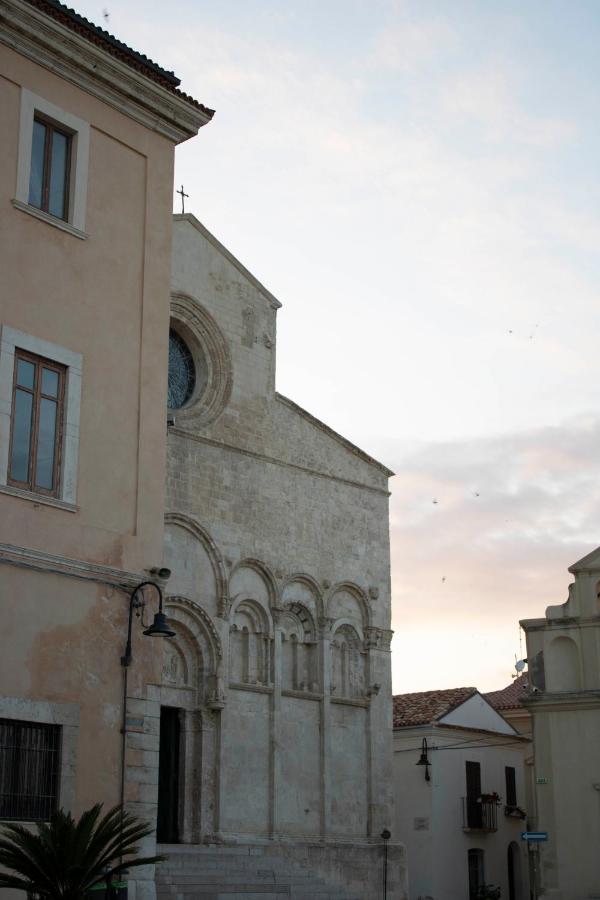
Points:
(239, 873)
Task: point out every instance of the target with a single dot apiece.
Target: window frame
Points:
(32, 107)
(47, 712)
(51, 129)
(36, 392)
(12, 341)
(22, 776)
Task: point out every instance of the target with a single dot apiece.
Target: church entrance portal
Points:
(167, 826)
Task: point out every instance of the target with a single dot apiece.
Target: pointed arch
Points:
(212, 551)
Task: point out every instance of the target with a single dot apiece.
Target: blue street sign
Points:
(534, 835)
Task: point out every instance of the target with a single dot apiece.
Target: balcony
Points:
(480, 813)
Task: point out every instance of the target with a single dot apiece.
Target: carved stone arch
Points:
(309, 583)
(212, 551)
(204, 337)
(300, 614)
(265, 573)
(197, 645)
(359, 596)
(250, 643)
(350, 623)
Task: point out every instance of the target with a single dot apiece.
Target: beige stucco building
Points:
(563, 652)
(87, 135)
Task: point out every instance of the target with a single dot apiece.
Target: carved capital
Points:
(377, 638)
(325, 626)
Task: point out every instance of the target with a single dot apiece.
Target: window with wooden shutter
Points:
(474, 810)
(511, 785)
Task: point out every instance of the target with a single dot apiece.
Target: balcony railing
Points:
(480, 813)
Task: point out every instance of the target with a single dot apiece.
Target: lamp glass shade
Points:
(160, 627)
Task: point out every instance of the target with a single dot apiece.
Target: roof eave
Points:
(37, 36)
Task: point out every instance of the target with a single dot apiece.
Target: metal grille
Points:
(29, 768)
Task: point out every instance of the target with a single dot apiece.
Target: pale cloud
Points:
(488, 96)
(410, 47)
(511, 514)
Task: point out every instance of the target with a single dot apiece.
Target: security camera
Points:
(161, 573)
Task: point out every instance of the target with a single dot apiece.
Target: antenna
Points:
(520, 665)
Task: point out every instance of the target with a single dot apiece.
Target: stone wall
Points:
(277, 538)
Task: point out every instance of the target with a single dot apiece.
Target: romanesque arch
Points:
(192, 659)
(198, 583)
(299, 661)
(348, 601)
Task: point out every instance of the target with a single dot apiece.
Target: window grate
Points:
(29, 769)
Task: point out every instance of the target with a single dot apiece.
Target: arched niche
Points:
(195, 562)
(304, 590)
(252, 579)
(299, 662)
(250, 644)
(348, 664)
(562, 665)
(347, 601)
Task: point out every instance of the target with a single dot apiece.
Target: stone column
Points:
(379, 691)
(275, 724)
(325, 626)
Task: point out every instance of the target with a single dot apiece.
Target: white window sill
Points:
(50, 220)
(38, 499)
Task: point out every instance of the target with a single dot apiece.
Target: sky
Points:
(417, 183)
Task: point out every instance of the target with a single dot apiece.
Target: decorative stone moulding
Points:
(212, 358)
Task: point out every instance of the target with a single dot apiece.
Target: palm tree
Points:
(66, 857)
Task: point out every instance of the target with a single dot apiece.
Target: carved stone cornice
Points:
(25, 558)
(76, 59)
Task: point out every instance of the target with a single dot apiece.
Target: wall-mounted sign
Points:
(534, 835)
(541, 781)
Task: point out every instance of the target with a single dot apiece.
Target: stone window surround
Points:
(80, 142)
(46, 713)
(10, 339)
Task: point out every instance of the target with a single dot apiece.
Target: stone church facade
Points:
(278, 681)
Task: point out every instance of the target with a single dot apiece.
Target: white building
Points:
(459, 796)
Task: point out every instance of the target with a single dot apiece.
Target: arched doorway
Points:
(190, 699)
(515, 877)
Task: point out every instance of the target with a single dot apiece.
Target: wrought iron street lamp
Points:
(424, 759)
(159, 627)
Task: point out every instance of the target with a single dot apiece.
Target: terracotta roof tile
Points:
(106, 41)
(509, 697)
(426, 707)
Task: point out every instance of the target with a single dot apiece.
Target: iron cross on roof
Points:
(183, 196)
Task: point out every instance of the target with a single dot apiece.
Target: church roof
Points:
(427, 707)
(509, 697)
(106, 41)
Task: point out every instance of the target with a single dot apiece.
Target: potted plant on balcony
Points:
(494, 798)
(66, 858)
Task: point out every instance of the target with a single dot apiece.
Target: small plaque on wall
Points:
(421, 823)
